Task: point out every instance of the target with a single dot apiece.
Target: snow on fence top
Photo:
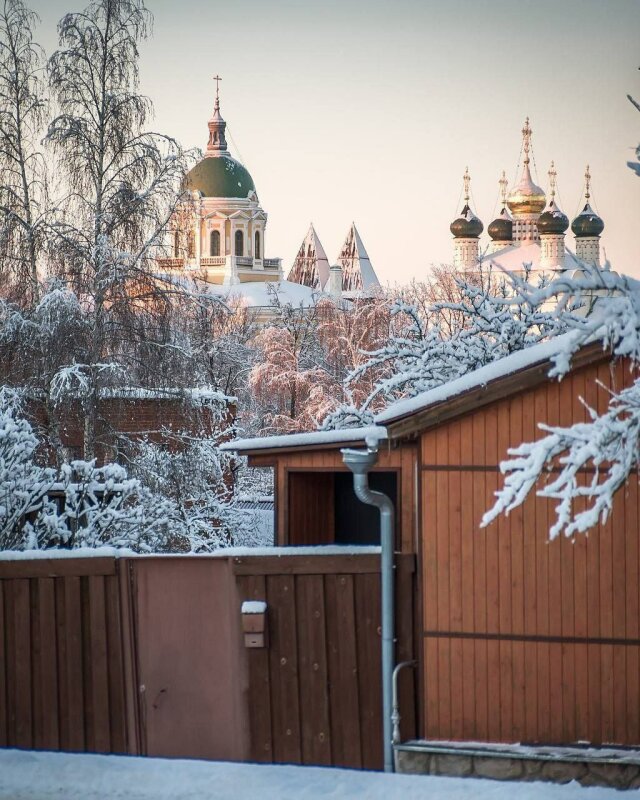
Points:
(529, 357)
(347, 435)
(222, 552)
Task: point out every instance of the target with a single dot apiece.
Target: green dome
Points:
(587, 223)
(552, 220)
(467, 225)
(220, 176)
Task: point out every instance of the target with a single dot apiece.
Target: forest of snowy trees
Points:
(87, 193)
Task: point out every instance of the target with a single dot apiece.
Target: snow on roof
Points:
(530, 356)
(310, 439)
(514, 257)
(200, 395)
(261, 293)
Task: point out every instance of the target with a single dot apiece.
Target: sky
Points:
(370, 110)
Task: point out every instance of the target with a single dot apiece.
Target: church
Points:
(219, 237)
(530, 229)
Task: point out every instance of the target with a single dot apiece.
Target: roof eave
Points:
(497, 389)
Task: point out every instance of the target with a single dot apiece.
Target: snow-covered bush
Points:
(196, 479)
(23, 484)
(79, 506)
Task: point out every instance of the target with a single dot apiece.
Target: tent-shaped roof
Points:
(311, 265)
(357, 271)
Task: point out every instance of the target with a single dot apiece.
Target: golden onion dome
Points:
(526, 197)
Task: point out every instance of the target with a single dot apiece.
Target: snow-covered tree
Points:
(607, 448)
(288, 379)
(23, 175)
(122, 188)
(487, 323)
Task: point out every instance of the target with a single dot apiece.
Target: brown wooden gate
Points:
(315, 691)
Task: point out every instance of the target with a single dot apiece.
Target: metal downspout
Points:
(360, 462)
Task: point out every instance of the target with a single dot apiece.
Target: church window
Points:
(257, 245)
(176, 245)
(191, 245)
(239, 243)
(214, 243)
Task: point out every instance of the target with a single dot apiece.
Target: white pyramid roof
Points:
(311, 265)
(357, 271)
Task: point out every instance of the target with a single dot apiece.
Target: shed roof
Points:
(514, 373)
(313, 439)
(511, 374)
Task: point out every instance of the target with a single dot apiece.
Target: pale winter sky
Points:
(370, 110)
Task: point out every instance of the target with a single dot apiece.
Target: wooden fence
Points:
(145, 656)
(62, 664)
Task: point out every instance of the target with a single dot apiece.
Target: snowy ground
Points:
(28, 775)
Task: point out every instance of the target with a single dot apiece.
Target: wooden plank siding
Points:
(315, 692)
(525, 639)
(61, 656)
(312, 498)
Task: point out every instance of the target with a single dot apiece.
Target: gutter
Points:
(360, 462)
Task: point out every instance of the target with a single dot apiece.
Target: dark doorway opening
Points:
(356, 522)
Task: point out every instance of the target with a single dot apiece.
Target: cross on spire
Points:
(526, 139)
(466, 180)
(504, 185)
(552, 180)
(587, 184)
(217, 79)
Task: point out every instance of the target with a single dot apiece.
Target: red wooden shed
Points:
(519, 638)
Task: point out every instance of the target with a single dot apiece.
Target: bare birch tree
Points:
(121, 190)
(23, 181)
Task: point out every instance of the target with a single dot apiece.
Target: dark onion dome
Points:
(467, 225)
(552, 220)
(587, 223)
(220, 176)
(501, 229)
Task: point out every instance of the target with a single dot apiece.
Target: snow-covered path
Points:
(26, 775)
